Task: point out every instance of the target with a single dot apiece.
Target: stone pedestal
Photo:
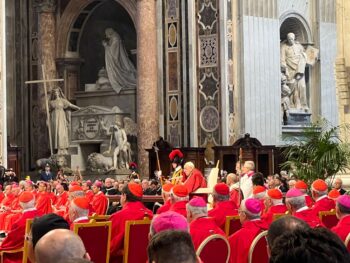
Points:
(147, 97)
(298, 118)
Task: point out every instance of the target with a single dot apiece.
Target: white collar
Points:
(80, 218)
(304, 208)
(321, 197)
(29, 209)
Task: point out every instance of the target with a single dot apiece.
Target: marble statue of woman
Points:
(120, 70)
(59, 121)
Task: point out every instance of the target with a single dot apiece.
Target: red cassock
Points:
(221, 210)
(8, 200)
(43, 203)
(324, 204)
(89, 194)
(342, 229)
(309, 201)
(2, 196)
(241, 240)
(61, 200)
(131, 211)
(179, 207)
(99, 203)
(164, 208)
(309, 217)
(4, 221)
(61, 204)
(195, 180)
(203, 227)
(234, 197)
(15, 238)
(276, 209)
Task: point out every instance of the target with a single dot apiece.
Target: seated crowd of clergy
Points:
(254, 198)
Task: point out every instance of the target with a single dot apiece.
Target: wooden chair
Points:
(10, 254)
(277, 216)
(99, 218)
(258, 249)
(347, 242)
(26, 241)
(136, 239)
(214, 248)
(328, 218)
(96, 237)
(232, 225)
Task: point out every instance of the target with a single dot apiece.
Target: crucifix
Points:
(44, 81)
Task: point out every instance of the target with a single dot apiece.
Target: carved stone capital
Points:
(45, 6)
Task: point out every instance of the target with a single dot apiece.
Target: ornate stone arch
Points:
(296, 23)
(71, 13)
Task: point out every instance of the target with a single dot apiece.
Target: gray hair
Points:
(189, 164)
(250, 165)
(176, 198)
(219, 197)
(80, 211)
(197, 211)
(28, 205)
(296, 202)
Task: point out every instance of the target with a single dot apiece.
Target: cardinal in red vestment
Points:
(342, 229)
(43, 199)
(223, 206)
(166, 197)
(12, 204)
(89, 194)
(259, 192)
(59, 207)
(273, 205)
(296, 204)
(302, 186)
(201, 226)
(178, 199)
(252, 226)
(99, 201)
(195, 178)
(319, 190)
(2, 195)
(79, 211)
(133, 209)
(15, 238)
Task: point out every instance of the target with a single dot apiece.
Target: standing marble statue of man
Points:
(121, 153)
(293, 63)
(59, 121)
(120, 70)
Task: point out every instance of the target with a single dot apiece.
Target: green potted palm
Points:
(318, 153)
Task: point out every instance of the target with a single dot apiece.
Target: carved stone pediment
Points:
(96, 110)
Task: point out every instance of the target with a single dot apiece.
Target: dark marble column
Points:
(147, 92)
(47, 39)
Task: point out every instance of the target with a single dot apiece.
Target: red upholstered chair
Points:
(258, 250)
(214, 248)
(20, 253)
(232, 225)
(347, 242)
(136, 239)
(96, 237)
(328, 218)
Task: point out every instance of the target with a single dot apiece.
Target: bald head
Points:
(58, 245)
